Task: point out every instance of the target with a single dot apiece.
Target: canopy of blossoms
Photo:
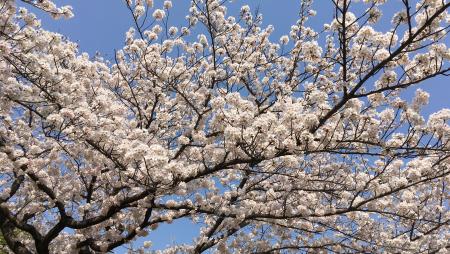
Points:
(300, 144)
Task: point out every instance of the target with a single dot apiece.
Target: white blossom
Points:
(159, 14)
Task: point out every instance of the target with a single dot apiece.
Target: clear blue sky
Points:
(100, 25)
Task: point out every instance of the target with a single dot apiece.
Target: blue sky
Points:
(100, 25)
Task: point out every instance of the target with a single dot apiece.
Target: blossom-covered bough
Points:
(302, 145)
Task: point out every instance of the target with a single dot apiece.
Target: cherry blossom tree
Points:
(298, 144)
